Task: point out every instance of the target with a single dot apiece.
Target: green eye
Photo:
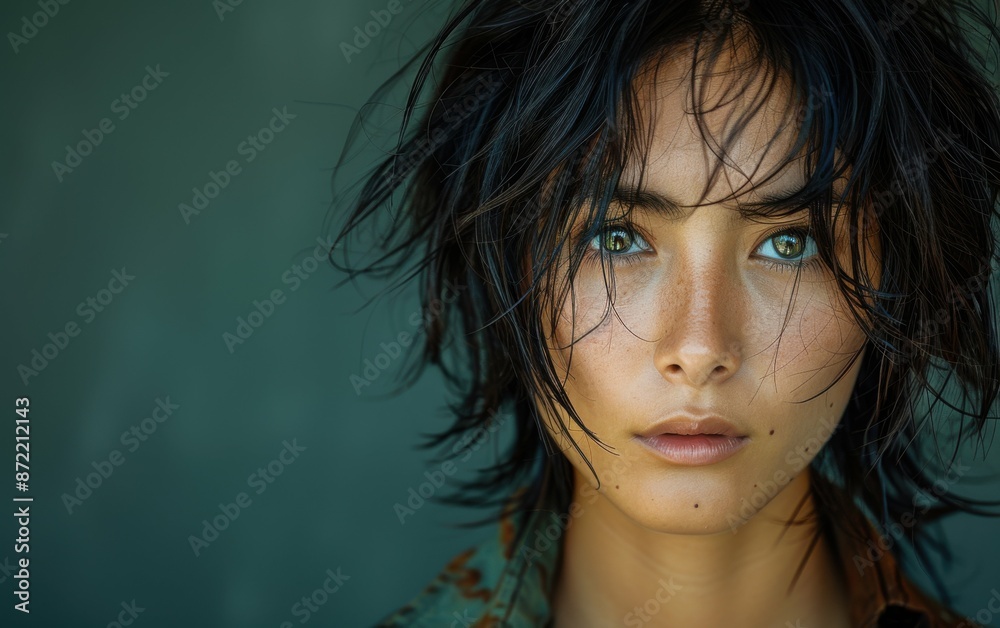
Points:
(616, 239)
(790, 245)
(620, 242)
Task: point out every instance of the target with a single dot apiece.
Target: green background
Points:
(162, 336)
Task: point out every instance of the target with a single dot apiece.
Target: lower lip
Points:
(697, 449)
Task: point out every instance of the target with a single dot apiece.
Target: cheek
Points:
(599, 383)
(590, 324)
(818, 342)
(609, 357)
(813, 347)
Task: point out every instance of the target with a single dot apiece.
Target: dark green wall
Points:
(161, 337)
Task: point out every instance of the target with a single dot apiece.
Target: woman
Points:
(713, 257)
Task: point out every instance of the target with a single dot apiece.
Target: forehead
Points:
(722, 129)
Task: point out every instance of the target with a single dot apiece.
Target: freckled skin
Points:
(699, 320)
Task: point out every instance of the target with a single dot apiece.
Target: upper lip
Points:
(689, 425)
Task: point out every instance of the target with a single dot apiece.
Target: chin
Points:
(669, 507)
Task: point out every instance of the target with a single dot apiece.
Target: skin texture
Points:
(699, 322)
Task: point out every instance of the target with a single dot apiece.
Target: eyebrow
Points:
(655, 203)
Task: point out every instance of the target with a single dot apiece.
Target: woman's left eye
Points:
(791, 246)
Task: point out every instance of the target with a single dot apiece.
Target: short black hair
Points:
(535, 107)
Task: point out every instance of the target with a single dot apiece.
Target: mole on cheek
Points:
(696, 505)
(772, 432)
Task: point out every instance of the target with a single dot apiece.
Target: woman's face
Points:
(698, 327)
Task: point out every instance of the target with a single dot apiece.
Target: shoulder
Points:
(490, 584)
(882, 593)
(459, 591)
(466, 588)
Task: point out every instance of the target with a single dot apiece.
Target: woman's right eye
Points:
(620, 242)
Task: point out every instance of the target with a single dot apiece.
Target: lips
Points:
(691, 426)
(691, 441)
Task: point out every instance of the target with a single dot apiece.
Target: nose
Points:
(700, 340)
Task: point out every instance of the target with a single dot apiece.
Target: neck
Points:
(615, 572)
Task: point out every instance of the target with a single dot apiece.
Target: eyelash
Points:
(593, 256)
